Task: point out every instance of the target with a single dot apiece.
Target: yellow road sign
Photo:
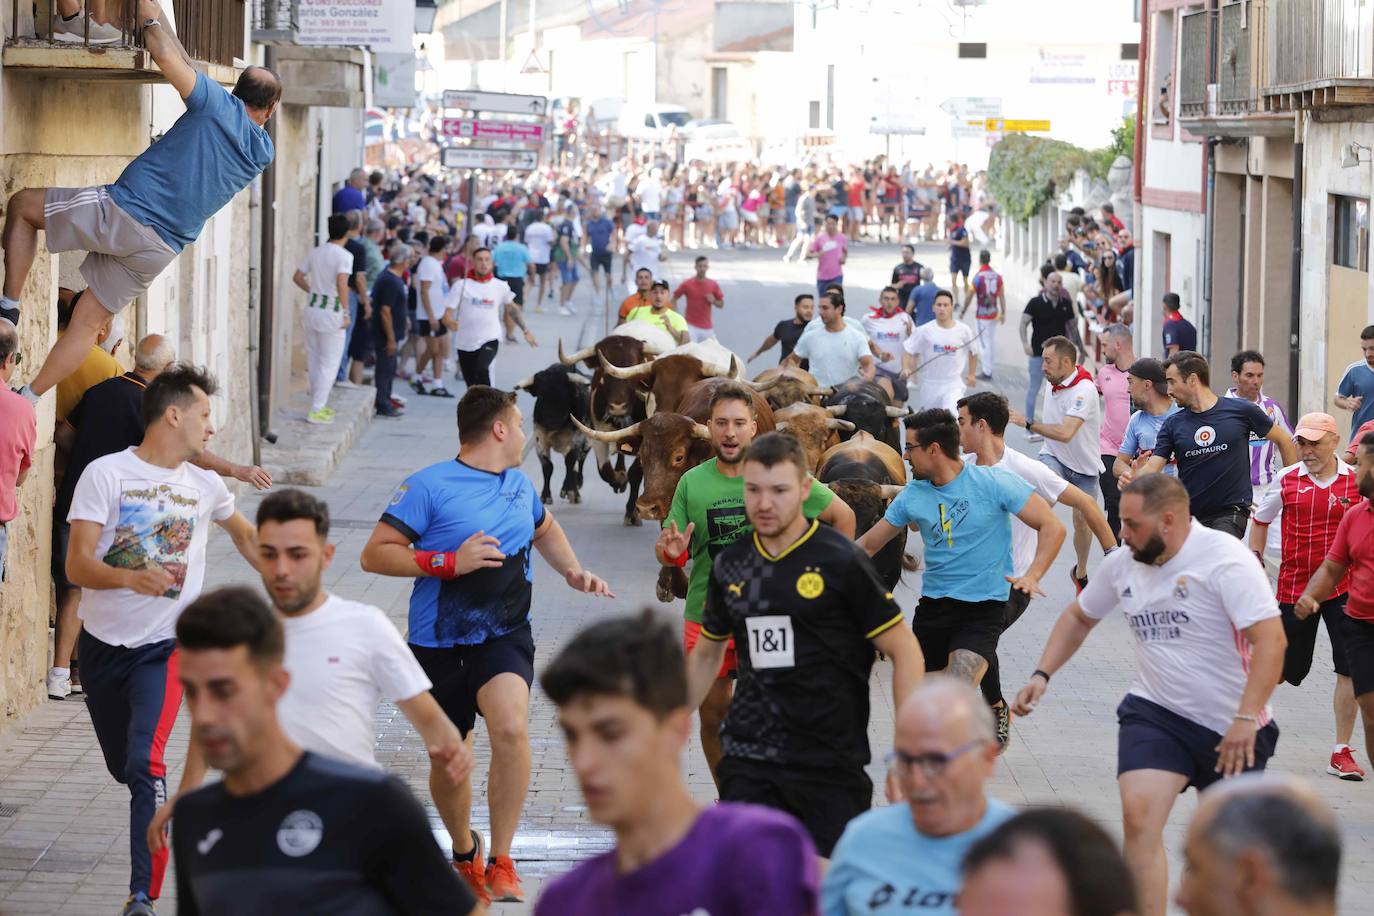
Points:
(1006, 125)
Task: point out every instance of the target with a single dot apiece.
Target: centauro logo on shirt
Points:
(1206, 438)
(1204, 435)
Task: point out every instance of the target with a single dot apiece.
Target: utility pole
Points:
(501, 42)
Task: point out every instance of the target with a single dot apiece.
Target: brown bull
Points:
(816, 428)
(667, 379)
(786, 385)
(867, 475)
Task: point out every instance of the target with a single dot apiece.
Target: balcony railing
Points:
(210, 30)
(275, 21)
(1235, 93)
(1321, 46)
(1192, 66)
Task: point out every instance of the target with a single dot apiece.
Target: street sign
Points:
(896, 126)
(968, 107)
(497, 102)
(968, 127)
(467, 157)
(1000, 125)
(506, 131)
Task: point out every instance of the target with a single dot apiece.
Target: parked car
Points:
(652, 122)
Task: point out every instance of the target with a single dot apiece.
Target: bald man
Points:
(1261, 845)
(108, 419)
(132, 229)
(944, 751)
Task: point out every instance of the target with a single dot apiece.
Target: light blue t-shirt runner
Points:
(833, 356)
(210, 154)
(966, 526)
(1358, 381)
(1141, 431)
(882, 865)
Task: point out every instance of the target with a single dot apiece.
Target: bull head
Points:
(630, 373)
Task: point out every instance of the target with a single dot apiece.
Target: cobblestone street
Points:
(63, 820)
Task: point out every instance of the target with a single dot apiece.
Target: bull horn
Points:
(575, 377)
(734, 368)
(584, 353)
(524, 383)
(890, 491)
(600, 436)
(837, 410)
(845, 425)
(766, 383)
(633, 372)
(814, 391)
(699, 431)
(650, 350)
(895, 412)
(712, 372)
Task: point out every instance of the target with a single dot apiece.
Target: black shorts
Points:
(458, 672)
(1151, 737)
(517, 286)
(823, 799)
(1359, 653)
(541, 269)
(942, 625)
(957, 267)
(600, 260)
(423, 329)
(61, 531)
(1302, 639)
(1230, 519)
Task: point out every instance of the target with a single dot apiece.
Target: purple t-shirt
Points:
(736, 860)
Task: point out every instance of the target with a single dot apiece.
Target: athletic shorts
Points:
(959, 266)
(541, 269)
(124, 256)
(1151, 737)
(458, 672)
(61, 533)
(567, 270)
(825, 800)
(423, 328)
(944, 624)
(1359, 653)
(691, 632)
(728, 219)
(517, 287)
(1302, 639)
(856, 213)
(899, 388)
(1088, 483)
(600, 260)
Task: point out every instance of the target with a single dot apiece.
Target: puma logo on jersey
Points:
(736, 589)
(204, 846)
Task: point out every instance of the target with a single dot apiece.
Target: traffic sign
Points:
(968, 107)
(506, 131)
(968, 127)
(1000, 125)
(498, 102)
(467, 157)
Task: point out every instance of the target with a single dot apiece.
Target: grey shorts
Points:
(124, 257)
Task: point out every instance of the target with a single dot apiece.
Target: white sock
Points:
(1340, 747)
(59, 672)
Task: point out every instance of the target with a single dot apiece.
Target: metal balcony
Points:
(1321, 54)
(1192, 65)
(276, 22)
(1235, 94)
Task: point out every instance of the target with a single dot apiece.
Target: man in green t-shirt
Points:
(707, 516)
(661, 313)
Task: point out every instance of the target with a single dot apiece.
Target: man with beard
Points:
(1209, 649)
(1353, 552)
(707, 515)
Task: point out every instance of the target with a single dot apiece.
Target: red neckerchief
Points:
(878, 312)
(1079, 374)
(474, 275)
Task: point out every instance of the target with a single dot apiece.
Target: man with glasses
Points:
(18, 434)
(907, 856)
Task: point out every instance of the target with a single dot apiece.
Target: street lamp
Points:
(425, 11)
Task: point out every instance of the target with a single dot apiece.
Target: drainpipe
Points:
(267, 283)
(1208, 228)
(1142, 85)
(1295, 303)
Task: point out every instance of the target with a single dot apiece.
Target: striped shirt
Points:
(1263, 464)
(1312, 511)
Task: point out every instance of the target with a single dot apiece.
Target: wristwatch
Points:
(149, 23)
(1029, 422)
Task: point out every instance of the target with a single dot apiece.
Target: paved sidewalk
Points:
(63, 821)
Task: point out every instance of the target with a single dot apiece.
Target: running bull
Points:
(560, 396)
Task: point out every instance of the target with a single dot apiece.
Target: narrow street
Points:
(63, 821)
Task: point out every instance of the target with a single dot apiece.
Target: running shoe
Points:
(397, 401)
(139, 904)
(1343, 765)
(1034, 437)
(73, 31)
(1003, 713)
(389, 411)
(319, 418)
(439, 392)
(419, 386)
(474, 873)
(1079, 582)
(502, 881)
(346, 383)
(60, 686)
(330, 411)
(565, 311)
(10, 314)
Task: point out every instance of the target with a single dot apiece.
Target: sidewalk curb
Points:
(305, 454)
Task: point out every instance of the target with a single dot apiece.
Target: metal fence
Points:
(275, 20)
(210, 30)
(1235, 93)
(1192, 65)
(1311, 40)
(45, 15)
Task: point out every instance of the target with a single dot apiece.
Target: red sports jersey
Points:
(1311, 515)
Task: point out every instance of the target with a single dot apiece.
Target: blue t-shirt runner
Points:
(210, 154)
(1358, 382)
(599, 232)
(1212, 448)
(440, 507)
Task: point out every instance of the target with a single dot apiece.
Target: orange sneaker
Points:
(503, 882)
(474, 873)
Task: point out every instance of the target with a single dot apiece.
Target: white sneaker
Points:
(346, 383)
(59, 685)
(565, 311)
(73, 31)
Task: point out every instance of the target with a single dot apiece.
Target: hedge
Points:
(1025, 172)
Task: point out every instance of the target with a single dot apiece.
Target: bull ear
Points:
(781, 427)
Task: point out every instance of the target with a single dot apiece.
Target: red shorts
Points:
(691, 631)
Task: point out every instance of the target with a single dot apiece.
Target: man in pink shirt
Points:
(830, 249)
(1116, 412)
(18, 432)
(703, 294)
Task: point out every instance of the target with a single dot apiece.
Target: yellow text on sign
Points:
(995, 125)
